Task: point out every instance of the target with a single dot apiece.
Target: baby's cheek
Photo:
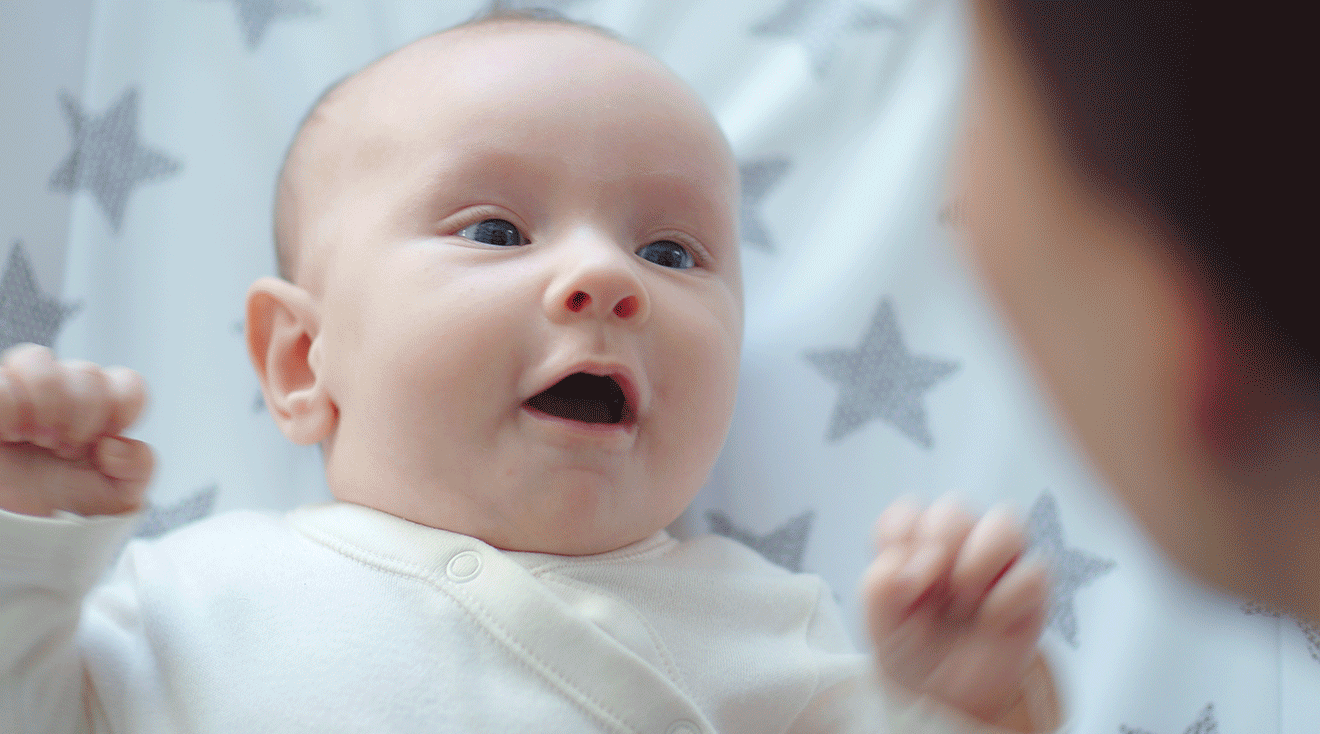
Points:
(714, 387)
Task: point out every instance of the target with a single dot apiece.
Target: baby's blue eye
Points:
(496, 232)
(669, 254)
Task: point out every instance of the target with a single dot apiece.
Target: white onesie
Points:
(340, 618)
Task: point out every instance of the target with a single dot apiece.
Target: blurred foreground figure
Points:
(1130, 175)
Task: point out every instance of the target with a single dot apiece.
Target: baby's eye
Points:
(669, 254)
(496, 232)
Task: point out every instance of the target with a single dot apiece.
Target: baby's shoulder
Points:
(718, 553)
(233, 540)
(727, 565)
(231, 527)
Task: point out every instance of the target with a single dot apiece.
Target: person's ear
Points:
(282, 329)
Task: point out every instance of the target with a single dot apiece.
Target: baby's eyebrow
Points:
(482, 162)
(681, 194)
(696, 198)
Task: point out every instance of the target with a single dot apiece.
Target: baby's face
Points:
(518, 204)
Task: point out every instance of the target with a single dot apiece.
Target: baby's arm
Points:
(59, 451)
(956, 616)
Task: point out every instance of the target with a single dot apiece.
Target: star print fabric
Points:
(107, 158)
(26, 314)
(143, 139)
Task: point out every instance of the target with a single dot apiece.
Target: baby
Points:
(511, 314)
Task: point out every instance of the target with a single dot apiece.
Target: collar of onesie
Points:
(498, 592)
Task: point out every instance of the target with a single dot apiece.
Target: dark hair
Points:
(1197, 111)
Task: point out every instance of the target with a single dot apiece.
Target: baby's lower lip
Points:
(624, 426)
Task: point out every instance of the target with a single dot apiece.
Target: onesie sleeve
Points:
(850, 698)
(47, 567)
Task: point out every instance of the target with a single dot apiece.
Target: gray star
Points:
(545, 9)
(1311, 631)
(161, 520)
(782, 546)
(254, 16)
(820, 24)
(25, 314)
(1204, 724)
(107, 158)
(881, 379)
(758, 177)
(1071, 569)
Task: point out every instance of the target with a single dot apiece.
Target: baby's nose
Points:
(599, 279)
(624, 308)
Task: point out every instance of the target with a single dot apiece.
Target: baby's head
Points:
(513, 305)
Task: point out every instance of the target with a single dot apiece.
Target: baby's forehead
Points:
(414, 75)
(422, 100)
(365, 117)
(391, 108)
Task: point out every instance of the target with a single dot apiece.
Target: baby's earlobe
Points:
(305, 416)
(299, 403)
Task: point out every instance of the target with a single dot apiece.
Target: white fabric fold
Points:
(337, 617)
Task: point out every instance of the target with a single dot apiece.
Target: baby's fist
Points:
(59, 442)
(953, 611)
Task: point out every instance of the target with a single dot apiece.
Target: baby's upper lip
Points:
(633, 390)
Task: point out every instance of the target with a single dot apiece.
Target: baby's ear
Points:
(282, 326)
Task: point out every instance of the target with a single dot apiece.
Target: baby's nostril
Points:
(625, 308)
(578, 301)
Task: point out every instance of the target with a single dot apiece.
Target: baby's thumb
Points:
(127, 463)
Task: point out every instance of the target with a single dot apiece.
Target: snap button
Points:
(683, 726)
(464, 567)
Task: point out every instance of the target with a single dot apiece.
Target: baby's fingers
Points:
(89, 391)
(881, 589)
(897, 635)
(898, 523)
(128, 395)
(114, 486)
(42, 407)
(1019, 603)
(127, 463)
(11, 410)
(917, 569)
(990, 549)
(941, 532)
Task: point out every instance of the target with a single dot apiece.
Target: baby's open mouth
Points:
(583, 397)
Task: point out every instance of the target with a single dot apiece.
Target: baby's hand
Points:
(59, 442)
(953, 612)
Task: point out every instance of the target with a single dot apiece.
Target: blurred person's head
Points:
(1133, 196)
